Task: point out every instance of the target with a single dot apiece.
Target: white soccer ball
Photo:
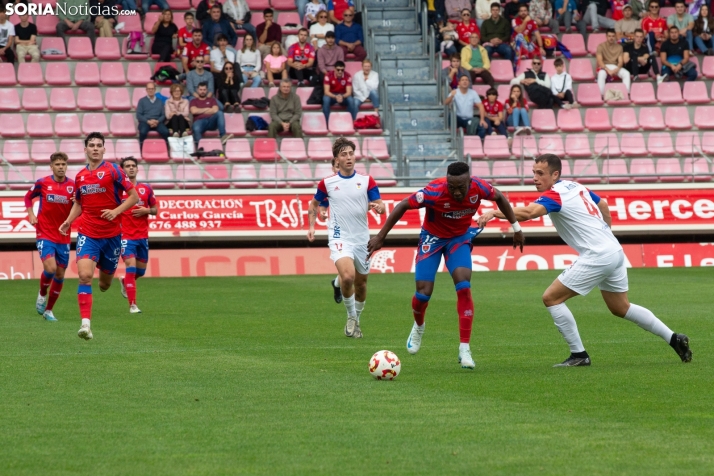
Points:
(384, 365)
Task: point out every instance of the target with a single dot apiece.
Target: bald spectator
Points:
(285, 111)
(71, 18)
(329, 54)
(349, 36)
(474, 59)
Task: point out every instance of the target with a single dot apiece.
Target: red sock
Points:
(45, 280)
(130, 286)
(84, 297)
(55, 290)
(419, 305)
(465, 308)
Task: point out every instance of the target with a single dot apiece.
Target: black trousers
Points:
(10, 55)
(568, 98)
(228, 96)
(177, 123)
(635, 68)
(301, 74)
(164, 50)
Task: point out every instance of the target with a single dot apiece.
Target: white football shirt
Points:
(574, 212)
(349, 199)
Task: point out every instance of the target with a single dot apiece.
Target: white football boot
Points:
(465, 359)
(414, 341)
(41, 304)
(123, 288)
(85, 332)
(49, 316)
(133, 309)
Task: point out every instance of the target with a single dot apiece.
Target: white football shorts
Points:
(608, 274)
(358, 254)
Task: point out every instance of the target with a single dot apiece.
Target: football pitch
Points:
(255, 375)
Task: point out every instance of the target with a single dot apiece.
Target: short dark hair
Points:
(496, 5)
(94, 135)
(457, 168)
(220, 37)
(639, 30)
(610, 30)
(330, 34)
(188, 14)
(218, 6)
(268, 11)
(128, 159)
(202, 84)
(303, 29)
(558, 62)
(673, 28)
(523, 5)
(455, 56)
(680, 1)
(340, 144)
(491, 92)
(652, 2)
(553, 161)
(58, 156)
(197, 30)
(339, 64)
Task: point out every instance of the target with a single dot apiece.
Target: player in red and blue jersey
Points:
(99, 187)
(135, 233)
(55, 193)
(450, 204)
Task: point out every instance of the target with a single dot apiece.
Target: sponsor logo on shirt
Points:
(458, 214)
(52, 198)
(91, 189)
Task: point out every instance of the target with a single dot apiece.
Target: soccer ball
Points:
(384, 365)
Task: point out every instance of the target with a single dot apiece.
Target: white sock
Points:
(565, 322)
(648, 321)
(85, 322)
(337, 281)
(359, 307)
(463, 346)
(349, 304)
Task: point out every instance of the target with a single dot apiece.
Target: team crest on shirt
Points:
(425, 248)
(70, 189)
(420, 197)
(359, 185)
(100, 175)
(343, 82)
(447, 205)
(142, 190)
(473, 199)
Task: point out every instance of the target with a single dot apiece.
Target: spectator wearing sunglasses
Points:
(228, 88)
(319, 29)
(349, 37)
(465, 29)
(338, 90)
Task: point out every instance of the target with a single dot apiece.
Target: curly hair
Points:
(340, 144)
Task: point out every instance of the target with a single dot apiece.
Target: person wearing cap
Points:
(625, 27)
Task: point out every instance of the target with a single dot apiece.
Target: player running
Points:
(135, 233)
(351, 196)
(583, 221)
(55, 192)
(335, 283)
(97, 199)
(451, 203)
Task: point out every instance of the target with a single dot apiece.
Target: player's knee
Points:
(347, 280)
(84, 277)
(619, 310)
(59, 274)
(549, 300)
(51, 268)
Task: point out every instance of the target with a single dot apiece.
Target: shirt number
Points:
(593, 210)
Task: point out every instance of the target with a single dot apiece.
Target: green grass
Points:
(254, 375)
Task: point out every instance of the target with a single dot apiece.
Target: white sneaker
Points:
(518, 131)
(567, 106)
(465, 359)
(133, 309)
(41, 304)
(85, 332)
(350, 326)
(661, 78)
(49, 316)
(123, 288)
(414, 341)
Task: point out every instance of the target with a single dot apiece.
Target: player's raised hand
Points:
(377, 207)
(311, 235)
(109, 214)
(375, 243)
(485, 218)
(64, 228)
(140, 211)
(519, 239)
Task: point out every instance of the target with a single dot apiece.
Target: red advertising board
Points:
(283, 214)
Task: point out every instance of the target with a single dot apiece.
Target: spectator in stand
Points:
(218, 24)
(616, 7)
(475, 60)
(338, 90)
(285, 111)
(275, 65)
(7, 37)
(455, 9)
(563, 12)
(593, 13)
(625, 28)
(150, 115)
(336, 9)
(349, 37)
(436, 12)
(464, 99)
(70, 18)
(541, 12)
(203, 10)
(494, 114)
(222, 55)
(176, 111)
(454, 71)
(238, 13)
(516, 107)
(329, 54)
(319, 30)
(146, 5)
(510, 11)
(640, 8)
(185, 34)
(26, 40)
(483, 11)
(301, 59)
(365, 86)
(465, 29)
(702, 32)
(684, 23)
(561, 83)
(164, 31)
(312, 9)
(228, 88)
(610, 62)
(674, 56)
(269, 33)
(536, 83)
(207, 116)
(104, 23)
(655, 27)
(637, 56)
(526, 36)
(250, 63)
(199, 76)
(196, 49)
(496, 34)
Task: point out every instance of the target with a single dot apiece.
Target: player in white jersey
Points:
(334, 283)
(350, 196)
(583, 221)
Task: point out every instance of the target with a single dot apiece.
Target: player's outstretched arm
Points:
(73, 214)
(505, 209)
(605, 210)
(377, 241)
(534, 210)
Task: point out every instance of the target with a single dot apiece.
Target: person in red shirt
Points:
(451, 203)
(338, 90)
(185, 33)
(97, 199)
(301, 58)
(526, 36)
(195, 49)
(655, 27)
(494, 114)
(617, 6)
(135, 233)
(55, 193)
(465, 28)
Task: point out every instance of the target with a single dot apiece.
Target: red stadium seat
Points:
(299, 175)
(80, 48)
(383, 174)
(161, 176)
(117, 99)
(375, 148)
(149, 20)
(505, 172)
(30, 74)
(523, 65)
(74, 148)
(281, 4)
(90, 99)
(139, 74)
(257, 5)
(589, 95)
(107, 49)
(677, 118)
(670, 93)
(189, 176)
(86, 74)
(127, 147)
(575, 43)
(358, 152)
(55, 43)
(473, 147)
(58, 74)
(697, 168)
(524, 146)
(155, 151)
(251, 93)
(687, 143)
(40, 125)
(708, 67)
(319, 148)
(361, 168)
(10, 99)
(246, 174)
(643, 94)
(481, 169)
(502, 70)
(595, 39)
(136, 95)
(266, 118)
(543, 120)
(109, 153)
(625, 120)
(625, 101)
(62, 99)
(272, 176)
(597, 119)
(615, 171)
(551, 144)
(577, 145)
(112, 74)
(353, 67)
(549, 66)
(131, 23)
(367, 132)
(660, 143)
(34, 99)
(287, 18)
(341, 123)
(16, 151)
(304, 95)
(208, 145)
(633, 145)
(265, 150)
(704, 117)
(496, 147)
(504, 91)
(570, 120)
(695, 92)
(322, 170)
(293, 149)
(235, 124)
(122, 125)
(67, 125)
(95, 121)
(46, 25)
(313, 124)
(607, 145)
(131, 56)
(643, 170)
(12, 125)
(7, 74)
(41, 150)
(214, 172)
(238, 150)
(586, 171)
(650, 118)
(669, 170)
(179, 5)
(581, 69)
(23, 175)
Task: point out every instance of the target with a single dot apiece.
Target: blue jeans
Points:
(518, 118)
(704, 45)
(216, 121)
(301, 4)
(349, 102)
(504, 50)
(255, 82)
(690, 40)
(144, 131)
(491, 128)
(128, 5)
(373, 96)
(146, 5)
(690, 75)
